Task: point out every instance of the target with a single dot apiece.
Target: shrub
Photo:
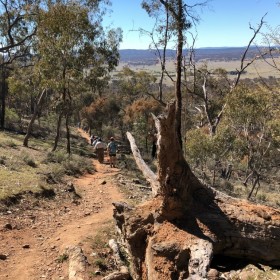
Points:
(76, 165)
(29, 161)
(56, 174)
(262, 197)
(101, 264)
(11, 117)
(10, 143)
(3, 160)
(62, 258)
(57, 157)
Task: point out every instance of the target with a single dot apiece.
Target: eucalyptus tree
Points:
(253, 115)
(178, 19)
(17, 30)
(136, 84)
(71, 39)
(176, 234)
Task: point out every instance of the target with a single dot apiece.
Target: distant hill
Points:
(138, 57)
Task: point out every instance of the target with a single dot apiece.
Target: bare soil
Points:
(34, 234)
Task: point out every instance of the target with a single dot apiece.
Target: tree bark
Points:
(36, 112)
(57, 131)
(68, 147)
(177, 233)
(3, 99)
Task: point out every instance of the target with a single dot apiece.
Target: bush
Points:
(55, 174)
(29, 161)
(62, 258)
(262, 197)
(57, 157)
(76, 165)
(3, 160)
(11, 118)
(11, 144)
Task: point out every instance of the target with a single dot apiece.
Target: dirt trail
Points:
(40, 235)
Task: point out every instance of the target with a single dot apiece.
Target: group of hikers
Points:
(100, 147)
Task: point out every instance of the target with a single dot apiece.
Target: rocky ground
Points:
(36, 231)
(37, 234)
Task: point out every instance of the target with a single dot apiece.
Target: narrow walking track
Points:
(40, 234)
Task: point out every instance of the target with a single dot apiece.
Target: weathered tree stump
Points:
(176, 234)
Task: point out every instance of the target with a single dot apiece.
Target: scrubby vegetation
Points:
(37, 168)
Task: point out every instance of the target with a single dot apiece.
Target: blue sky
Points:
(223, 23)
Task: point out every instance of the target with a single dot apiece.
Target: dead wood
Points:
(123, 274)
(177, 233)
(147, 172)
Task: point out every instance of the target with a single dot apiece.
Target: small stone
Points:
(103, 182)
(8, 226)
(213, 274)
(70, 187)
(136, 181)
(3, 257)
(97, 272)
(26, 246)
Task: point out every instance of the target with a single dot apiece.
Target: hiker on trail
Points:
(154, 146)
(99, 149)
(94, 141)
(112, 151)
(92, 138)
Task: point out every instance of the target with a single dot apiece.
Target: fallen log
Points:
(177, 234)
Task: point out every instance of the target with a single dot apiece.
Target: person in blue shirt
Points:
(112, 151)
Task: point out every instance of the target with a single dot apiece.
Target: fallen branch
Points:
(147, 172)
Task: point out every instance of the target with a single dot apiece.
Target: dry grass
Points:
(25, 169)
(258, 68)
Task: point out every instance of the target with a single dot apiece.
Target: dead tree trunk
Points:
(176, 234)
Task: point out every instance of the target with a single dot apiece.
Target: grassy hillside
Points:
(37, 168)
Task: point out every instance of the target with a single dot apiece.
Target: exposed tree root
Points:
(176, 234)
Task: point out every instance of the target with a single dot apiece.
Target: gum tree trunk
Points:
(35, 114)
(177, 233)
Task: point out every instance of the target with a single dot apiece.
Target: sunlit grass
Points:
(33, 168)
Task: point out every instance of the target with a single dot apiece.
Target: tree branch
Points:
(147, 172)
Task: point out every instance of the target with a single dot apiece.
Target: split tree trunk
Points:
(35, 114)
(176, 234)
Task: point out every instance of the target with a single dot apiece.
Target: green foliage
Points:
(135, 85)
(11, 117)
(72, 165)
(55, 173)
(11, 143)
(262, 197)
(76, 165)
(57, 156)
(198, 146)
(62, 258)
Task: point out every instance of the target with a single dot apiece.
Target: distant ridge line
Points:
(140, 56)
